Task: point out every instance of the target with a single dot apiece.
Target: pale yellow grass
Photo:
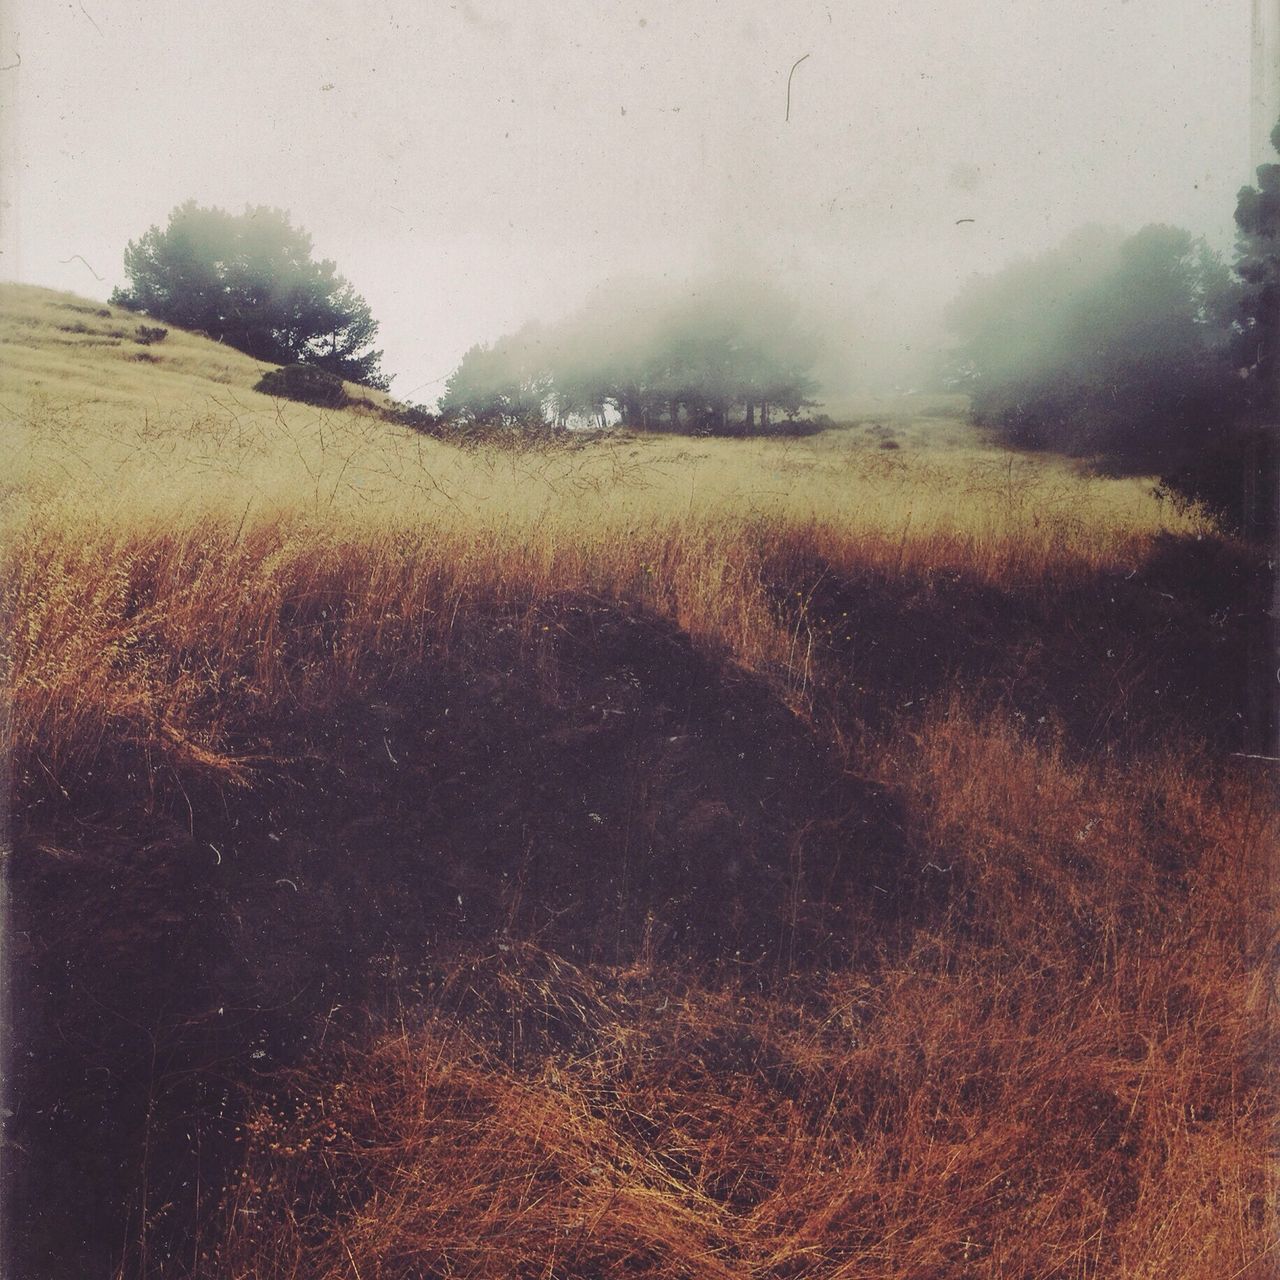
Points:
(157, 505)
(1056, 1079)
(88, 424)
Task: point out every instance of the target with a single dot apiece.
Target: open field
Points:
(134, 528)
(635, 855)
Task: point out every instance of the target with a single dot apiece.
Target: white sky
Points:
(473, 164)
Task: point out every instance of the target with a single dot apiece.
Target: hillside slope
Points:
(749, 858)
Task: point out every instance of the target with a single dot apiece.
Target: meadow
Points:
(833, 856)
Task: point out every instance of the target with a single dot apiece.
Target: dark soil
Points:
(584, 774)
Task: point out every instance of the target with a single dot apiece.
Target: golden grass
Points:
(1057, 1065)
(164, 508)
(104, 599)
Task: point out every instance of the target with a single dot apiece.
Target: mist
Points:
(474, 168)
(705, 354)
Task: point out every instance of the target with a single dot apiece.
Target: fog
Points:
(473, 167)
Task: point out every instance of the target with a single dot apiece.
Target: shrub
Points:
(418, 417)
(305, 383)
(1237, 477)
(146, 334)
(793, 426)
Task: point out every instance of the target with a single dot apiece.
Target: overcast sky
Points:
(471, 165)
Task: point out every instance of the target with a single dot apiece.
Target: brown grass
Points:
(1054, 1062)
(1065, 1073)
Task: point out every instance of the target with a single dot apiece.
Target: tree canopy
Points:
(718, 358)
(1145, 352)
(1111, 346)
(250, 280)
(1257, 347)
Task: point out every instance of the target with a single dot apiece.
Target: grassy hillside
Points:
(652, 855)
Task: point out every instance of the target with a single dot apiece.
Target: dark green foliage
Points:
(1146, 354)
(1236, 467)
(1236, 475)
(146, 334)
(1106, 347)
(305, 383)
(1238, 472)
(1258, 266)
(249, 280)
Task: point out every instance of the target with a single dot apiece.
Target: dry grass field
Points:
(819, 857)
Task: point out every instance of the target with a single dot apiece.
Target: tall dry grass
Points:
(1067, 1070)
(1056, 1064)
(161, 529)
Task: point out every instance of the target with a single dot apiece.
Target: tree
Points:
(1237, 471)
(503, 385)
(1257, 346)
(733, 348)
(249, 280)
(706, 360)
(1146, 353)
(1109, 347)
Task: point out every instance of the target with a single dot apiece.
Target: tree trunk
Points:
(750, 423)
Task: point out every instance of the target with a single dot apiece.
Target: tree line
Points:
(725, 356)
(1145, 353)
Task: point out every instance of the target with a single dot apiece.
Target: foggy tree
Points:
(1237, 468)
(1258, 266)
(249, 280)
(717, 359)
(505, 384)
(1012, 325)
(724, 355)
(1107, 346)
(1146, 353)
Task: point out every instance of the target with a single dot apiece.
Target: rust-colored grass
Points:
(1054, 1060)
(1067, 1071)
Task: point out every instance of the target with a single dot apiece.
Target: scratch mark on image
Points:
(88, 15)
(791, 73)
(75, 257)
